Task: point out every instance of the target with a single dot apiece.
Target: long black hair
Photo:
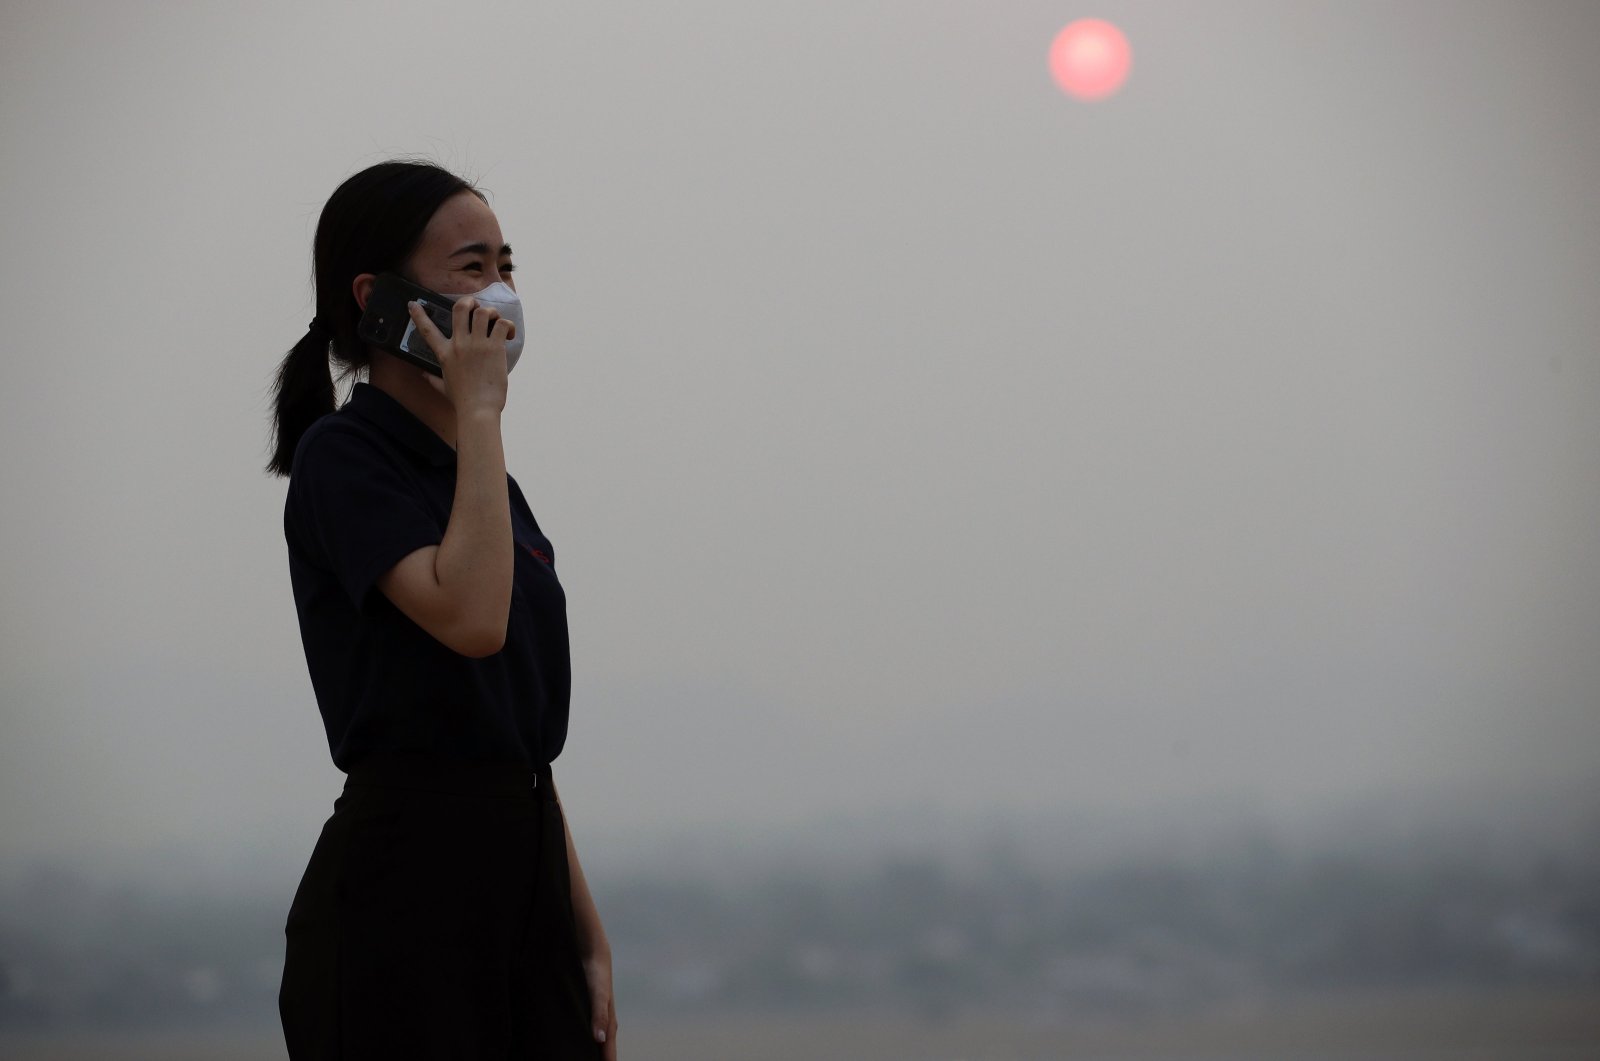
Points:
(371, 224)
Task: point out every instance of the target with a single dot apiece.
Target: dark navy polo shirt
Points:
(369, 485)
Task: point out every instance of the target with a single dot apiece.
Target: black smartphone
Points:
(387, 324)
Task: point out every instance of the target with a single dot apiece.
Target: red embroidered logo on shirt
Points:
(537, 554)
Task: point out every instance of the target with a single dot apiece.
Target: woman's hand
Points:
(597, 969)
(473, 358)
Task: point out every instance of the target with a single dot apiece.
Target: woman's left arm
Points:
(593, 946)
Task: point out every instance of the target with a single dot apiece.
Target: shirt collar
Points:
(380, 409)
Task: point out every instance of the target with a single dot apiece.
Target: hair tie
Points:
(316, 327)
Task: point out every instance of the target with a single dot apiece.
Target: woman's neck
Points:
(406, 384)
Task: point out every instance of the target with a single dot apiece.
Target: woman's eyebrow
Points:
(479, 248)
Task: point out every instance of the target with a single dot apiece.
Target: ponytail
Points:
(302, 394)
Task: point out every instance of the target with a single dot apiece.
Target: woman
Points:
(443, 913)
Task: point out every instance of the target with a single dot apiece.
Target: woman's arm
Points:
(593, 946)
(459, 591)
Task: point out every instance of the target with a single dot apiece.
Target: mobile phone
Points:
(387, 323)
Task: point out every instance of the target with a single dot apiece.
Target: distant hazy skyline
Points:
(911, 436)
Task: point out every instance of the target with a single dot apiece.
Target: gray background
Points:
(919, 445)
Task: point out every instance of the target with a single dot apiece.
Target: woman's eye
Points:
(508, 268)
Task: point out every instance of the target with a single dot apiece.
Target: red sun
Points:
(1089, 58)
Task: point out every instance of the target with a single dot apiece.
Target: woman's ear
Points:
(362, 289)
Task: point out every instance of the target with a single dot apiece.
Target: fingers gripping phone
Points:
(387, 324)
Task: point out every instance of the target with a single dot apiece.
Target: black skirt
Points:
(435, 921)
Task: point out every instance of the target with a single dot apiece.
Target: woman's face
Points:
(461, 249)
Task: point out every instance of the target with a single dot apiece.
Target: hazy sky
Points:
(910, 434)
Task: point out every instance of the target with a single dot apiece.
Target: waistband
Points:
(425, 773)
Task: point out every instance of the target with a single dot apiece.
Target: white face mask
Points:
(499, 297)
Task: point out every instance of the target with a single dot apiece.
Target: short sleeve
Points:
(521, 505)
(356, 511)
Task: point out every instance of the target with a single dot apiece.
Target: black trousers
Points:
(434, 921)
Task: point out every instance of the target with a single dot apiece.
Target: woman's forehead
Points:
(461, 221)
